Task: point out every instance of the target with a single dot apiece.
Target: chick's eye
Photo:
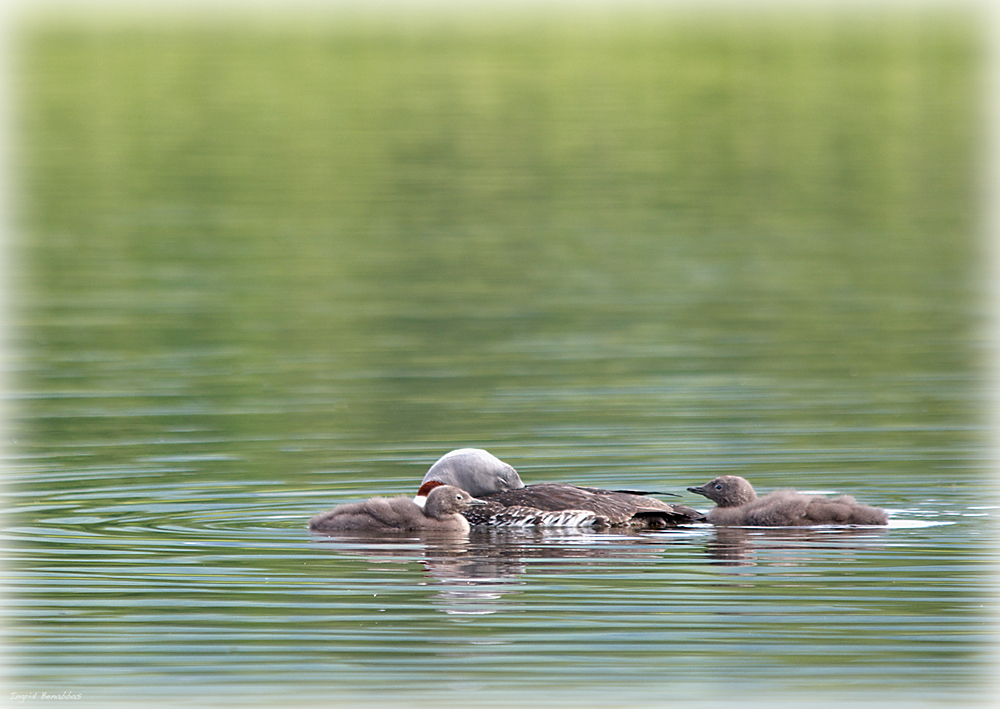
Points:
(718, 487)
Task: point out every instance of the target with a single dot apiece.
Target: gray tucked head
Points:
(727, 491)
(474, 470)
(445, 500)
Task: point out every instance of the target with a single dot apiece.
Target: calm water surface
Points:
(262, 273)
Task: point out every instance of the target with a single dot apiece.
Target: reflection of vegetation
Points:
(395, 223)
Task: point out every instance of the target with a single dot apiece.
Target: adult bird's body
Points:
(509, 502)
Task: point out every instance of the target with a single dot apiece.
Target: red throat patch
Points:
(427, 487)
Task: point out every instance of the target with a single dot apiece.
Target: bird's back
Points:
(617, 506)
(788, 508)
(374, 514)
(844, 510)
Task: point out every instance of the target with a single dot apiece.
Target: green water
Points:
(262, 270)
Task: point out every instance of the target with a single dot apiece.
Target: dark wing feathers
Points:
(619, 507)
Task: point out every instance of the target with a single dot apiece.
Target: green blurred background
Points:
(434, 212)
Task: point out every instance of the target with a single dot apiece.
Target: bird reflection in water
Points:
(479, 574)
(742, 546)
(468, 582)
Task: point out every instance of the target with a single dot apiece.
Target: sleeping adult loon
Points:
(738, 505)
(512, 503)
(441, 513)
